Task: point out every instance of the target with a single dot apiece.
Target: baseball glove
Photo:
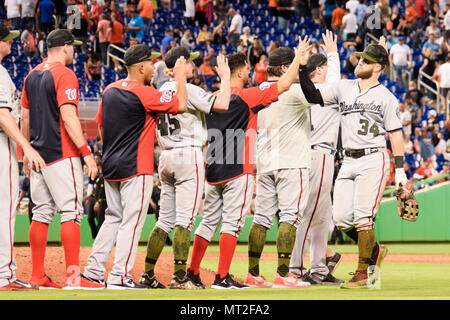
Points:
(408, 207)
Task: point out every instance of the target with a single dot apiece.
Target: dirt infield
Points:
(55, 265)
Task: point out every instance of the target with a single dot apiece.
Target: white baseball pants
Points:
(314, 225)
(9, 193)
(128, 202)
(228, 202)
(182, 184)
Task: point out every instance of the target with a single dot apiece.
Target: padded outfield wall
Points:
(433, 223)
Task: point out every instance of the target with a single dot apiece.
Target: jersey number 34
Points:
(365, 128)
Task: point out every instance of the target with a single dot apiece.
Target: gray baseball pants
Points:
(314, 225)
(128, 202)
(228, 202)
(9, 192)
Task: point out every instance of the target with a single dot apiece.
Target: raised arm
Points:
(330, 47)
(300, 53)
(223, 97)
(179, 72)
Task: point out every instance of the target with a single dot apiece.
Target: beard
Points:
(363, 74)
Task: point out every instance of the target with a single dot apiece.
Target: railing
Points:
(420, 182)
(109, 54)
(447, 108)
(367, 40)
(421, 83)
(88, 107)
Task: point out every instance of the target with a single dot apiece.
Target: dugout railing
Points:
(422, 84)
(111, 54)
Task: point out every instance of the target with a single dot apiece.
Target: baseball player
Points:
(127, 117)
(283, 163)
(9, 171)
(368, 111)
(181, 170)
(314, 225)
(50, 120)
(229, 168)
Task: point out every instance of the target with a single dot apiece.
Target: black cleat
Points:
(150, 282)
(195, 279)
(315, 278)
(332, 262)
(127, 284)
(227, 282)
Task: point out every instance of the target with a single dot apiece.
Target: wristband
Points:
(398, 162)
(85, 150)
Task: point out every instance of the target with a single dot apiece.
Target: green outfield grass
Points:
(400, 281)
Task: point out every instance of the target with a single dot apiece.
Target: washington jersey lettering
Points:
(365, 118)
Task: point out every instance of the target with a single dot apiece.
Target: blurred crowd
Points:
(417, 32)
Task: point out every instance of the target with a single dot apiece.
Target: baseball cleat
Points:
(227, 282)
(358, 281)
(378, 255)
(332, 262)
(126, 284)
(185, 283)
(150, 282)
(195, 279)
(256, 281)
(18, 285)
(319, 279)
(99, 281)
(82, 283)
(44, 283)
(374, 271)
(290, 281)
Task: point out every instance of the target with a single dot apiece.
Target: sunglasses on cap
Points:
(367, 61)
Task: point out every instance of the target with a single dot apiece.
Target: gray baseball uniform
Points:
(282, 164)
(181, 169)
(365, 118)
(313, 228)
(9, 175)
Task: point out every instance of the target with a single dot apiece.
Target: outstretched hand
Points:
(223, 70)
(382, 42)
(303, 49)
(329, 42)
(180, 67)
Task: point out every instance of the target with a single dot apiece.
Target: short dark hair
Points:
(274, 71)
(237, 61)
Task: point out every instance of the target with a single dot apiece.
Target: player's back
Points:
(284, 132)
(325, 123)
(186, 129)
(46, 88)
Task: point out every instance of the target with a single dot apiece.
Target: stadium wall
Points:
(433, 223)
